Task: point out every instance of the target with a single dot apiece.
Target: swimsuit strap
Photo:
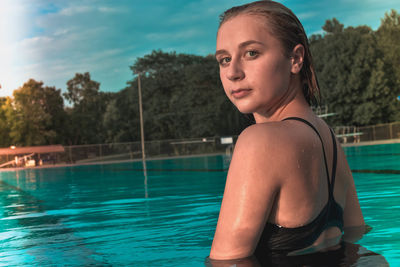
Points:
(334, 161)
(330, 183)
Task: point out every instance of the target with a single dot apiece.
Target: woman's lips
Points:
(239, 93)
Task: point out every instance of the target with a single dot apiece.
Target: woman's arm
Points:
(352, 215)
(354, 225)
(249, 194)
(353, 220)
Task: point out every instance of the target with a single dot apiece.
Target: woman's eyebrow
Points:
(241, 45)
(244, 44)
(221, 51)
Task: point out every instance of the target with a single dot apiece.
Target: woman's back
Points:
(306, 206)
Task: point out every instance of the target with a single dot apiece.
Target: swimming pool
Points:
(114, 214)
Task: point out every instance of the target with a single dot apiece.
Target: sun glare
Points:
(13, 18)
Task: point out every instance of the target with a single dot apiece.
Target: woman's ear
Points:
(297, 58)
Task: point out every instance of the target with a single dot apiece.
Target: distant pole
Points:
(141, 119)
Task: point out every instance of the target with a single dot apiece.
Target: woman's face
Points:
(254, 71)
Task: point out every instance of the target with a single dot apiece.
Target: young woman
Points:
(289, 188)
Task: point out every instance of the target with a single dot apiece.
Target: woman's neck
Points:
(294, 105)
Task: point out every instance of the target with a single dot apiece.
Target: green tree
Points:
(53, 105)
(354, 81)
(34, 115)
(161, 81)
(183, 97)
(5, 127)
(333, 26)
(82, 90)
(85, 117)
(121, 118)
(379, 100)
(388, 40)
(209, 111)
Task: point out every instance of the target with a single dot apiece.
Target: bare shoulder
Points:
(266, 147)
(275, 139)
(265, 134)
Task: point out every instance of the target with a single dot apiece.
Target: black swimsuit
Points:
(278, 239)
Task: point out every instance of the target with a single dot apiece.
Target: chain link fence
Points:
(374, 133)
(119, 152)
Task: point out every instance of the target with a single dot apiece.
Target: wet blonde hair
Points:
(286, 27)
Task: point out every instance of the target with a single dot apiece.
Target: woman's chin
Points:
(245, 110)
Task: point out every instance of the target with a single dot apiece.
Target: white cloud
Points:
(35, 41)
(14, 17)
(306, 15)
(73, 10)
(105, 9)
(78, 10)
(60, 32)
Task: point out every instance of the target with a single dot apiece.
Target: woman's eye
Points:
(224, 60)
(252, 53)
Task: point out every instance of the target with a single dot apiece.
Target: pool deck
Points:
(108, 162)
(368, 143)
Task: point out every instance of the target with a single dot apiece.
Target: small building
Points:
(29, 156)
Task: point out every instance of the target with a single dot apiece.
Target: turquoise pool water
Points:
(112, 215)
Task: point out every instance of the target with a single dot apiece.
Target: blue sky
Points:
(51, 40)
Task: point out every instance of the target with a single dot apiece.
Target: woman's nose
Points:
(235, 71)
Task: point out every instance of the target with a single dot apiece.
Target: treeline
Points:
(358, 71)
(182, 98)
